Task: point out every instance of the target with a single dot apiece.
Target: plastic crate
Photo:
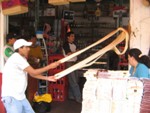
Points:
(59, 89)
(54, 58)
(62, 82)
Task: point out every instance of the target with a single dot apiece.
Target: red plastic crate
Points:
(59, 93)
(62, 82)
(54, 58)
(59, 89)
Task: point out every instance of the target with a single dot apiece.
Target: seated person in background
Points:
(139, 64)
(8, 48)
(35, 55)
(34, 58)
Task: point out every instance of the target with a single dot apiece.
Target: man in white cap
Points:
(14, 78)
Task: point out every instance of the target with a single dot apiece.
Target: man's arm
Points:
(42, 77)
(35, 72)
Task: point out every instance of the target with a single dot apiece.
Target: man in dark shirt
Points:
(68, 48)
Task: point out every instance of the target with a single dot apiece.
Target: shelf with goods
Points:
(90, 27)
(36, 17)
(26, 25)
(88, 32)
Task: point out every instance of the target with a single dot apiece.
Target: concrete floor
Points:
(67, 106)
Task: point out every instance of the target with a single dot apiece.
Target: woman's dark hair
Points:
(137, 54)
(134, 52)
(145, 60)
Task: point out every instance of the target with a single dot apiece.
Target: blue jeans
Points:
(74, 89)
(13, 105)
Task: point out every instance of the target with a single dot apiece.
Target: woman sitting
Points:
(140, 64)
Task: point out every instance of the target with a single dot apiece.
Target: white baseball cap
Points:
(21, 42)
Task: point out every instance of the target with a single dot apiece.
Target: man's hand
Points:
(55, 64)
(51, 78)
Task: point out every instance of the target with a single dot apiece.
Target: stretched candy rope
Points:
(112, 46)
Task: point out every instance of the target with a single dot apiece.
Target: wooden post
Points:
(3, 32)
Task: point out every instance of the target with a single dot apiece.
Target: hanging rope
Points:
(91, 59)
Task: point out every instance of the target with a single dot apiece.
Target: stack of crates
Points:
(59, 89)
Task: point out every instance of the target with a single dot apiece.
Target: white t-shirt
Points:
(14, 79)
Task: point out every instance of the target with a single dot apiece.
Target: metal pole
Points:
(36, 14)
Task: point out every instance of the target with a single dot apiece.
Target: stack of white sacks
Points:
(145, 104)
(111, 92)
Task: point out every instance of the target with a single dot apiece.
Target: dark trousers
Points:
(73, 78)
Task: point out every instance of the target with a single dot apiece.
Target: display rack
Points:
(88, 28)
(89, 31)
(43, 84)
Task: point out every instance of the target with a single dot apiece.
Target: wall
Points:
(139, 20)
